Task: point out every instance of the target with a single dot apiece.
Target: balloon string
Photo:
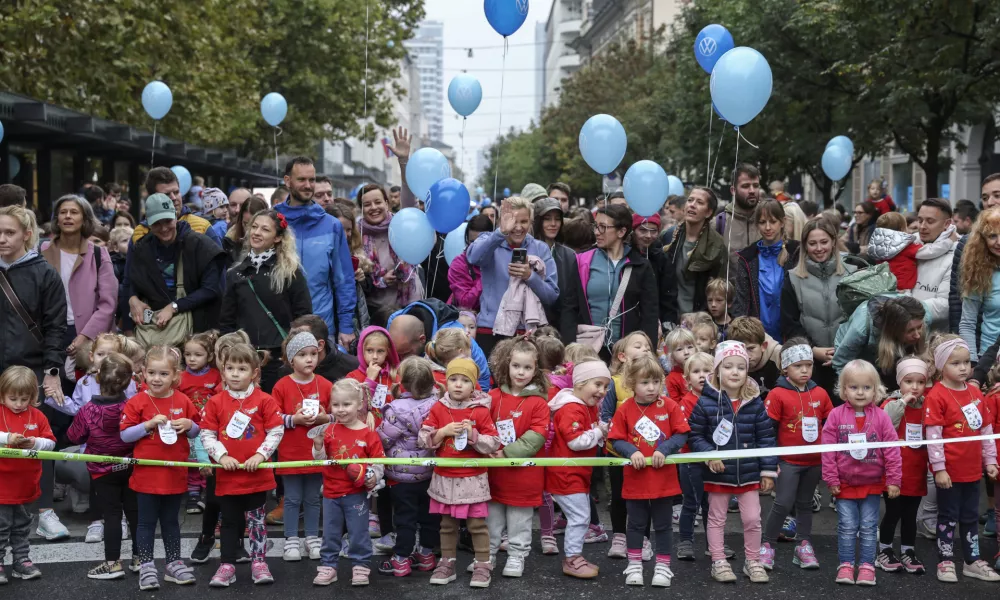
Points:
(152, 151)
(365, 126)
(496, 156)
(708, 165)
(464, 119)
(738, 132)
(277, 176)
(718, 152)
(731, 222)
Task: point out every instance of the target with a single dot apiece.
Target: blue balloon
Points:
(843, 141)
(454, 243)
(645, 187)
(465, 94)
(157, 99)
(712, 42)
(741, 85)
(506, 192)
(427, 166)
(1, 131)
(183, 178)
(447, 204)
(411, 236)
(506, 16)
(603, 143)
(479, 190)
(836, 162)
(675, 187)
(487, 202)
(273, 108)
(390, 44)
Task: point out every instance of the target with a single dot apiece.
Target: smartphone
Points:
(520, 256)
(147, 316)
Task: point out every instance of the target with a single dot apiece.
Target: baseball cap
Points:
(533, 191)
(158, 208)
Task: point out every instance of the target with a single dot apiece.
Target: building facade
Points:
(607, 22)
(427, 49)
(562, 31)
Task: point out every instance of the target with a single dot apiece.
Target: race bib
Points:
(858, 438)
(914, 433)
(317, 431)
(167, 434)
(972, 416)
(506, 430)
(648, 430)
(810, 429)
(378, 398)
(237, 425)
(723, 432)
(462, 440)
(310, 407)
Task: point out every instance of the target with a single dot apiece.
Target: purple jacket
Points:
(97, 426)
(401, 421)
(840, 468)
(466, 283)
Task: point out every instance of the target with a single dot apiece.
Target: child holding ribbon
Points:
(697, 371)
(954, 409)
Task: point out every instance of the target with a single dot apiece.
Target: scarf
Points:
(258, 260)
(404, 272)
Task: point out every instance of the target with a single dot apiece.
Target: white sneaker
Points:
(314, 545)
(125, 532)
(662, 575)
(385, 544)
(292, 551)
(633, 574)
(647, 550)
(472, 565)
(50, 527)
(514, 566)
(95, 532)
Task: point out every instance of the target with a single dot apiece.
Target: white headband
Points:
(794, 354)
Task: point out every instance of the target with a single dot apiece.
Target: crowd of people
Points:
(237, 330)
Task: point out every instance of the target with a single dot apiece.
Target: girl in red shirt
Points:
(520, 411)
(24, 427)
(679, 345)
(160, 421)
(955, 409)
(242, 428)
(301, 397)
(551, 356)
(378, 363)
(200, 380)
(697, 370)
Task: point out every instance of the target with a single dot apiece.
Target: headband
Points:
(944, 351)
(794, 354)
(298, 343)
(727, 349)
(591, 369)
(910, 366)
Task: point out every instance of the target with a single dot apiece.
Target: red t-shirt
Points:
(21, 476)
(677, 386)
(649, 483)
(295, 444)
(264, 415)
(159, 480)
(914, 459)
(884, 205)
(570, 422)
(341, 443)
(687, 405)
(383, 379)
(787, 407)
(199, 388)
(440, 416)
(519, 486)
(942, 407)
(993, 405)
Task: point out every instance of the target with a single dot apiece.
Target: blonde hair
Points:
(120, 234)
(619, 348)
(19, 381)
(285, 250)
(678, 336)
(978, 263)
(226, 342)
(864, 369)
(892, 220)
(748, 391)
(416, 376)
(169, 355)
(114, 374)
(26, 219)
(933, 374)
(115, 339)
(517, 203)
(577, 353)
(720, 287)
(711, 326)
(793, 213)
(698, 358)
(448, 345)
(643, 367)
(134, 351)
(829, 229)
(354, 388)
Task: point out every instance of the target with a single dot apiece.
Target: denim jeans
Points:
(164, 509)
(693, 488)
(352, 511)
(302, 496)
(854, 517)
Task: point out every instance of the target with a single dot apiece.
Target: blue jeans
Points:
(302, 496)
(854, 517)
(693, 488)
(165, 509)
(351, 511)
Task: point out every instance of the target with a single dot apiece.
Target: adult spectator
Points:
(777, 188)
(735, 222)
(466, 280)
(696, 254)
(934, 272)
(809, 306)
(561, 192)
(617, 199)
(880, 200)
(174, 274)
(491, 212)
(279, 195)
(809, 208)
(114, 192)
(645, 240)
(605, 269)
(759, 272)
(578, 234)
(964, 216)
(236, 235)
(391, 282)
(124, 204)
(267, 291)
(671, 216)
(215, 210)
(323, 195)
(492, 253)
(12, 195)
(548, 228)
(29, 286)
(980, 283)
(161, 180)
(394, 197)
(861, 231)
(102, 207)
(323, 250)
(795, 221)
(236, 199)
(990, 196)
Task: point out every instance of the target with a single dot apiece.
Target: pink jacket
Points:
(520, 305)
(840, 468)
(93, 295)
(466, 283)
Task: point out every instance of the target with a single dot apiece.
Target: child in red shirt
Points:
(200, 380)
(955, 409)
(679, 345)
(346, 486)
(24, 427)
(302, 398)
(697, 370)
(242, 427)
(648, 428)
(160, 421)
(460, 426)
(551, 356)
(378, 362)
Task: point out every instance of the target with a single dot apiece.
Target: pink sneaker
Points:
(260, 573)
(559, 527)
(845, 574)
(866, 574)
(359, 575)
(224, 576)
(400, 566)
(325, 576)
(423, 561)
(549, 545)
(619, 548)
(805, 556)
(444, 573)
(596, 534)
(767, 554)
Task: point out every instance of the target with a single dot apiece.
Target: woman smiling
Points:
(391, 281)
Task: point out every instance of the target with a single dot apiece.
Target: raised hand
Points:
(400, 143)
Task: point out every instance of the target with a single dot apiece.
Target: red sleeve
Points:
(432, 418)
(678, 424)
(131, 414)
(568, 423)
(210, 416)
(272, 414)
(676, 389)
(773, 404)
(540, 418)
(619, 425)
(278, 393)
(825, 406)
(375, 449)
(934, 409)
(484, 422)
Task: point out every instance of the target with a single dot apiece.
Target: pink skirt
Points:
(479, 510)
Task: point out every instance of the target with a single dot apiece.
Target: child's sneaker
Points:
(734, 504)
(887, 561)
(946, 572)
(514, 567)
(25, 569)
(385, 544)
(662, 575)
(845, 574)
(549, 545)
(647, 550)
(224, 576)
(675, 518)
(755, 571)
(911, 563)
(817, 501)
(179, 573)
(619, 548)
(359, 575)
(423, 560)
(481, 574)
(149, 579)
(767, 554)
(194, 504)
(444, 573)
(3, 574)
(866, 575)
(373, 527)
(633, 574)
(596, 534)
(980, 570)
(559, 527)
(722, 572)
(577, 566)
(685, 550)
(107, 570)
(325, 576)
(292, 551)
(50, 527)
(788, 528)
(805, 556)
(95, 533)
(314, 545)
(135, 565)
(399, 566)
(472, 565)
(261, 573)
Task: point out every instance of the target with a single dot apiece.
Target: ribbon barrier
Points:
(691, 457)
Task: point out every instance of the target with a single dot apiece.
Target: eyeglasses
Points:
(602, 229)
(860, 212)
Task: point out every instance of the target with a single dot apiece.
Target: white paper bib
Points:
(723, 432)
(237, 425)
(972, 416)
(506, 430)
(810, 429)
(647, 429)
(317, 431)
(914, 433)
(378, 398)
(167, 434)
(461, 440)
(858, 438)
(310, 407)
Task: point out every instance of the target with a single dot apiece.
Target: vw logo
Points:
(522, 6)
(707, 46)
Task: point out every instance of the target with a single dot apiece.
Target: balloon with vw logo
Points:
(712, 42)
(506, 16)
(464, 94)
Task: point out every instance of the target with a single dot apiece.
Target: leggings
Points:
(251, 505)
(213, 511)
(164, 509)
(114, 499)
(479, 531)
(794, 488)
(902, 510)
(383, 505)
(619, 507)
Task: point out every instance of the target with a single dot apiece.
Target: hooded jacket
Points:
(809, 304)
(93, 289)
(391, 361)
(858, 336)
(840, 468)
(707, 260)
(400, 428)
(744, 231)
(97, 426)
(934, 277)
(639, 310)
(40, 291)
(577, 434)
(466, 283)
(326, 261)
(899, 249)
(750, 300)
(241, 307)
(520, 305)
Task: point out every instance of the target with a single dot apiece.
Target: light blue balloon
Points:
(427, 166)
(1, 131)
(454, 243)
(411, 236)
(464, 94)
(447, 204)
(836, 162)
(157, 99)
(273, 108)
(506, 16)
(712, 42)
(844, 141)
(603, 143)
(741, 85)
(506, 192)
(675, 187)
(391, 44)
(487, 202)
(479, 190)
(645, 187)
(183, 178)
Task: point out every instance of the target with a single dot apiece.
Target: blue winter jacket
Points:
(326, 261)
(752, 429)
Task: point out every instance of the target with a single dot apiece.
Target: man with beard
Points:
(735, 222)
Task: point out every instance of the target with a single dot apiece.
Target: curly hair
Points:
(978, 262)
(502, 355)
(207, 341)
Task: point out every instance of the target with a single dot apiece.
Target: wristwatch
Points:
(54, 371)
(173, 305)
